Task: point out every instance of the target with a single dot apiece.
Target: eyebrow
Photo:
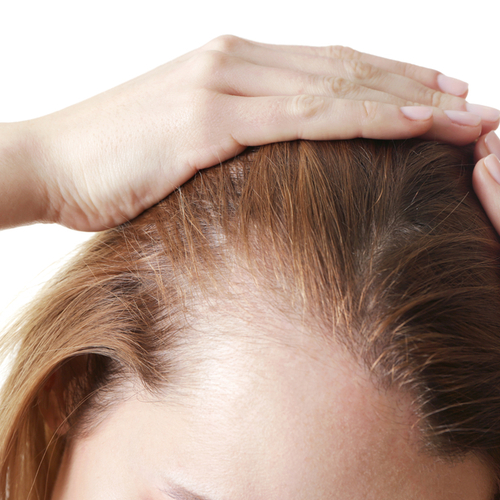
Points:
(177, 492)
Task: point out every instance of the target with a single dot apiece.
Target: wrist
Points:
(23, 191)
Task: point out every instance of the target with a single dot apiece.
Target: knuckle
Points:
(306, 106)
(225, 43)
(340, 87)
(445, 101)
(358, 70)
(424, 95)
(342, 52)
(208, 63)
(437, 99)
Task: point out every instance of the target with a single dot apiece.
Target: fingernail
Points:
(492, 143)
(463, 118)
(452, 85)
(493, 165)
(417, 112)
(485, 112)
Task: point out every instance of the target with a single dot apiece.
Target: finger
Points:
(490, 116)
(426, 76)
(430, 78)
(454, 127)
(260, 120)
(486, 182)
(323, 118)
(252, 80)
(358, 72)
(486, 145)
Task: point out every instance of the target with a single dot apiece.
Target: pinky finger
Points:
(486, 182)
(273, 119)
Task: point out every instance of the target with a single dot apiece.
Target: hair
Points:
(383, 245)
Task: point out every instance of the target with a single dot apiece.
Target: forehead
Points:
(266, 421)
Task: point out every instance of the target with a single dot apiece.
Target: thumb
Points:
(486, 182)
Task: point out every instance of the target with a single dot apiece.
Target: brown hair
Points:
(382, 244)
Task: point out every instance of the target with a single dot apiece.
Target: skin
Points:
(266, 421)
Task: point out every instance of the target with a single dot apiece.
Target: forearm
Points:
(22, 193)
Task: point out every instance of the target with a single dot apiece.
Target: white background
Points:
(55, 53)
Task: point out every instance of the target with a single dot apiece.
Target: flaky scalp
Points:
(382, 246)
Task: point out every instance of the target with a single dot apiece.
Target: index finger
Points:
(428, 77)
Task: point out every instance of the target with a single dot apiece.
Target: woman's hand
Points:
(486, 176)
(103, 161)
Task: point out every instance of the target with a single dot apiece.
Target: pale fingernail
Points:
(452, 85)
(463, 118)
(485, 112)
(493, 165)
(417, 112)
(493, 143)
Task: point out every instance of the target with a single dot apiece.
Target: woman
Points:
(310, 319)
